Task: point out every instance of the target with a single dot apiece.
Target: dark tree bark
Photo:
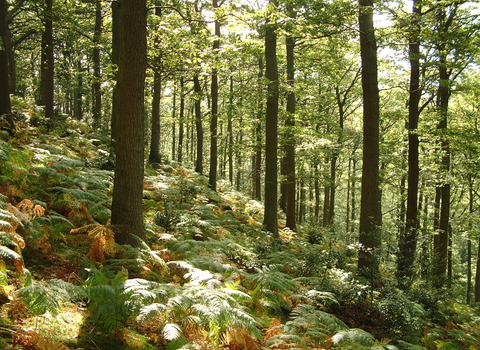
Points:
(477, 276)
(5, 104)
(212, 174)
(181, 128)
(78, 94)
(370, 211)
(127, 205)
(408, 240)
(97, 70)
(257, 157)
(116, 42)
(271, 126)
(443, 96)
(230, 144)
(154, 156)
(46, 93)
(198, 125)
(288, 162)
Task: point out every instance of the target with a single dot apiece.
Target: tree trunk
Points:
(212, 174)
(370, 211)
(5, 104)
(78, 94)
(127, 204)
(477, 276)
(97, 70)
(408, 240)
(181, 121)
(116, 41)
(46, 95)
(230, 143)
(271, 126)
(198, 125)
(174, 114)
(289, 146)
(154, 156)
(257, 158)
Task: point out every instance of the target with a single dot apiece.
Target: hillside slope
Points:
(208, 276)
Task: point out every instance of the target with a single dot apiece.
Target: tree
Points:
(154, 156)
(127, 206)
(271, 125)
(370, 211)
(288, 162)
(97, 70)
(408, 240)
(46, 93)
(5, 105)
(212, 175)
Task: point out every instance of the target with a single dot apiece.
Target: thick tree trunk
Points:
(271, 126)
(5, 104)
(370, 211)
(127, 204)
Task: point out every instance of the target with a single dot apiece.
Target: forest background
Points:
(355, 123)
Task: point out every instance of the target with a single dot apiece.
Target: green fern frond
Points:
(151, 311)
(322, 296)
(272, 279)
(286, 341)
(403, 345)
(354, 336)
(41, 297)
(7, 253)
(5, 224)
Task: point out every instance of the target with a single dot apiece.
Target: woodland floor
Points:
(208, 276)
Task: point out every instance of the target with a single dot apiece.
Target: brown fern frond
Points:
(104, 240)
(30, 209)
(31, 340)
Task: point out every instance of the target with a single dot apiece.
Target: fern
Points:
(354, 338)
(42, 297)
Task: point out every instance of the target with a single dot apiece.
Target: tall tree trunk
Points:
(154, 156)
(97, 70)
(5, 104)
(370, 211)
(212, 174)
(198, 125)
(289, 146)
(181, 121)
(127, 204)
(78, 94)
(46, 95)
(271, 127)
(230, 134)
(257, 158)
(116, 41)
(408, 240)
(174, 114)
(441, 243)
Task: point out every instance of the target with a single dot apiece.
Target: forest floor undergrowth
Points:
(207, 277)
